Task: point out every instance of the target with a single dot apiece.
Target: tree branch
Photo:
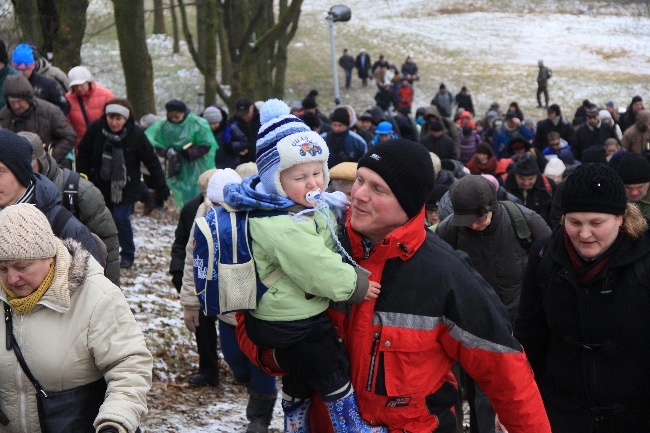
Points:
(188, 38)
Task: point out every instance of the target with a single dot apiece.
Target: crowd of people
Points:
(412, 257)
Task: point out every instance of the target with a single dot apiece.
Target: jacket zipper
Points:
(373, 358)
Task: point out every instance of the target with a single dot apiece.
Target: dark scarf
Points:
(113, 167)
(490, 166)
(586, 270)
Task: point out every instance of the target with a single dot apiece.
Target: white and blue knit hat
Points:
(284, 141)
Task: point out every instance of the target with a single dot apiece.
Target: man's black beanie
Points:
(633, 169)
(16, 153)
(407, 169)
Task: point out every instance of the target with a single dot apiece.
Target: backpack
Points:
(225, 276)
(70, 195)
(517, 219)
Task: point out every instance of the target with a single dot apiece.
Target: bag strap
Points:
(547, 185)
(60, 220)
(83, 110)
(13, 344)
(520, 224)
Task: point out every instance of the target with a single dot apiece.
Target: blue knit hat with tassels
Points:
(284, 141)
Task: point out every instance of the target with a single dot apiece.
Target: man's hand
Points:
(373, 291)
(191, 319)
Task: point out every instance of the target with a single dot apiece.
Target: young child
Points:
(295, 254)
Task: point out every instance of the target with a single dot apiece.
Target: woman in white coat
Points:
(73, 328)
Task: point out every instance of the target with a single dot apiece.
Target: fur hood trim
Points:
(71, 269)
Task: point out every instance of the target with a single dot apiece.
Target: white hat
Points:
(554, 167)
(79, 75)
(218, 181)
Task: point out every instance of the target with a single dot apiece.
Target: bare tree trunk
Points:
(136, 62)
(210, 52)
(70, 32)
(49, 16)
(158, 18)
(29, 20)
(176, 47)
(201, 31)
(251, 41)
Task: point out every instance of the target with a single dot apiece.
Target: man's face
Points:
(18, 106)
(611, 149)
(554, 144)
(27, 73)
(551, 115)
(246, 117)
(365, 124)
(525, 182)
(384, 137)
(175, 116)
(310, 110)
(635, 192)
(10, 189)
(482, 223)
(593, 120)
(637, 106)
(338, 127)
(375, 210)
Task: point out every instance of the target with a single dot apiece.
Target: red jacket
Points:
(94, 101)
(405, 96)
(433, 310)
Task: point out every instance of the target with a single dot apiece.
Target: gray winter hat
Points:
(472, 197)
(212, 115)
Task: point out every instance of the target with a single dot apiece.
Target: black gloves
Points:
(162, 194)
(177, 280)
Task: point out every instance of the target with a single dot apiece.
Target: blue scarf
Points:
(245, 196)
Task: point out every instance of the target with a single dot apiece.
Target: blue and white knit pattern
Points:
(284, 141)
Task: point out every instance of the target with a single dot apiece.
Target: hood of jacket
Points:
(17, 86)
(432, 110)
(641, 117)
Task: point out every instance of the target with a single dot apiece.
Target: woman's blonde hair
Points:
(634, 223)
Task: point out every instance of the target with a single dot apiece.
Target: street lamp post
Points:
(337, 13)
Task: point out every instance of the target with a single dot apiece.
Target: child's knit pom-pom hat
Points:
(284, 141)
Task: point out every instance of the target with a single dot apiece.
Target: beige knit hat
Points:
(25, 234)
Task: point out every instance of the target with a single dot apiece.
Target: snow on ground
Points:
(173, 405)
(581, 42)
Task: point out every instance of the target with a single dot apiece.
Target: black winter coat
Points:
(539, 198)
(182, 234)
(545, 126)
(465, 101)
(496, 252)
(588, 343)
(47, 89)
(137, 149)
(587, 136)
(442, 146)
